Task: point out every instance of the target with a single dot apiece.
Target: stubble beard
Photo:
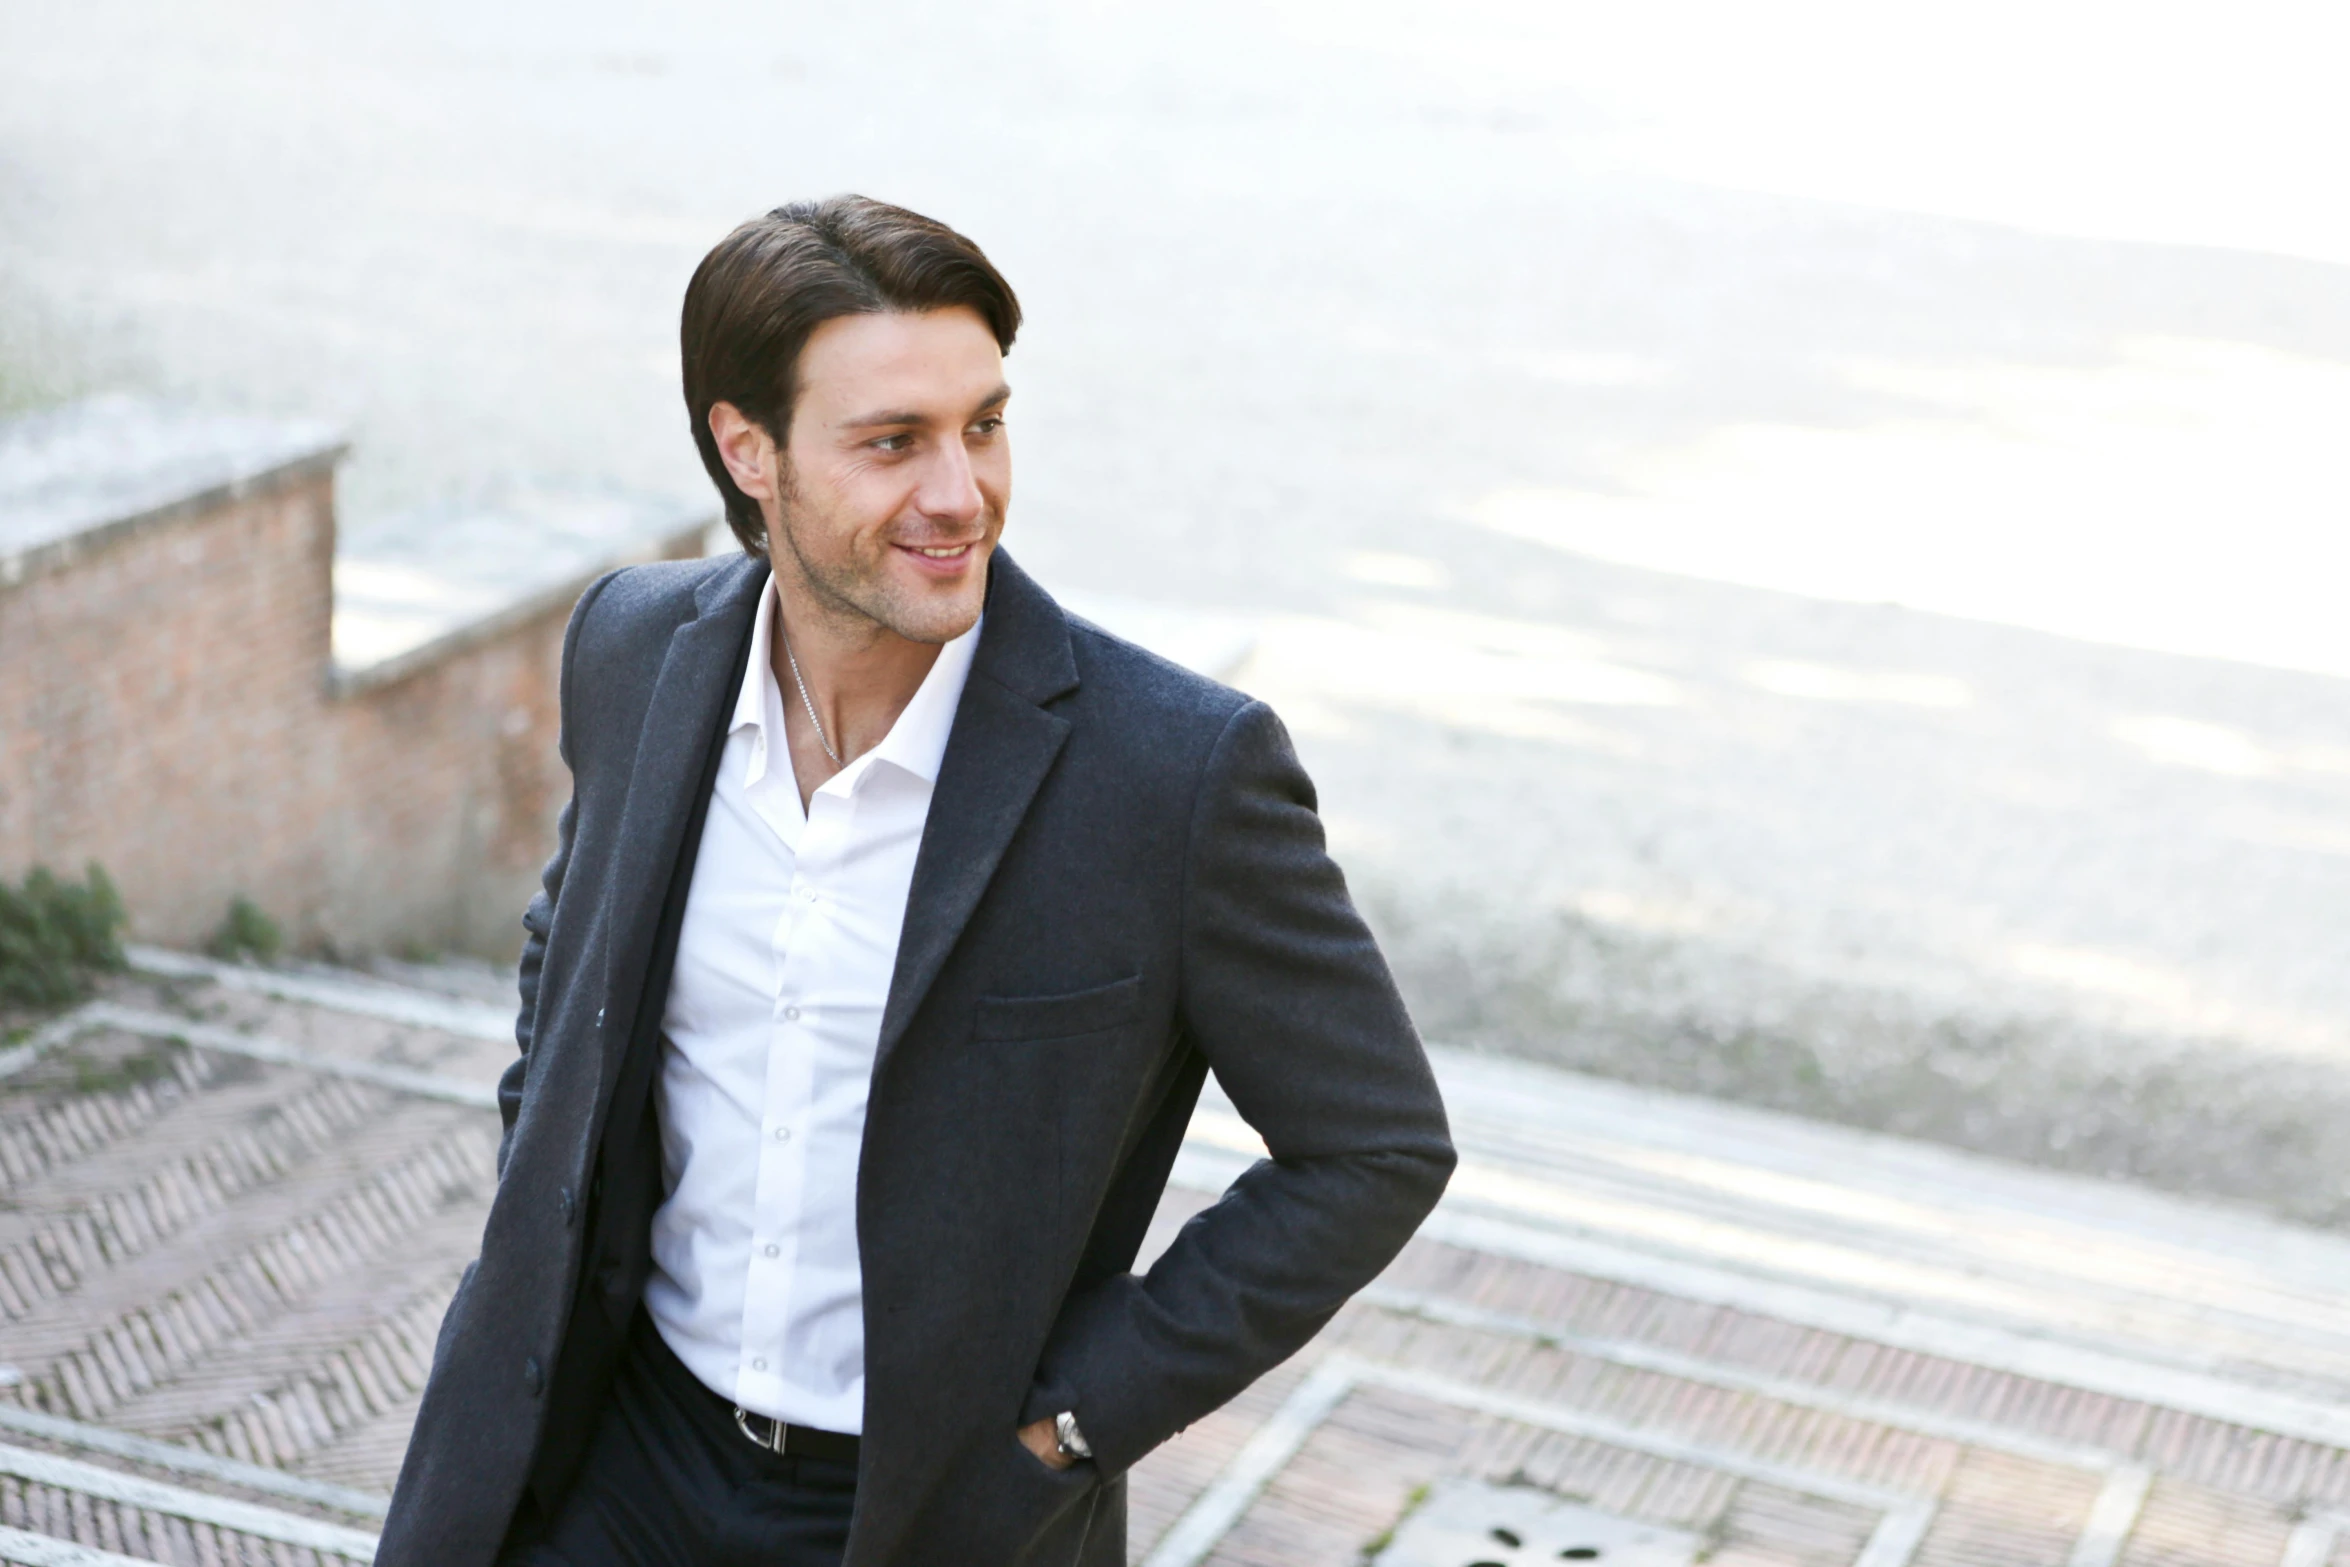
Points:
(858, 597)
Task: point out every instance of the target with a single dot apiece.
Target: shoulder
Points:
(626, 617)
(648, 600)
(1130, 686)
(1173, 729)
(1179, 743)
(619, 633)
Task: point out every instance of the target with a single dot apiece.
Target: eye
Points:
(989, 425)
(894, 443)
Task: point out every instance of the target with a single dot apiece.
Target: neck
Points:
(859, 674)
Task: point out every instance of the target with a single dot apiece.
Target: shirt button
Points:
(807, 895)
(775, 1251)
(793, 1013)
(783, 1134)
(758, 1365)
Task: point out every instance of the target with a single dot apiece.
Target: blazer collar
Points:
(1025, 647)
(700, 668)
(1004, 742)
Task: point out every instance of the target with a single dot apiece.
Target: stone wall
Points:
(454, 784)
(169, 709)
(163, 712)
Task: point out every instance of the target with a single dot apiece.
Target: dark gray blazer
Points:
(1122, 885)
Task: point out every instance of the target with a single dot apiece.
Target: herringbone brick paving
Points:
(251, 1259)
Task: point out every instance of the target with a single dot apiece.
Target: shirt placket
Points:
(801, 954)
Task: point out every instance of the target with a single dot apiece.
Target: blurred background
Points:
(1802, 544)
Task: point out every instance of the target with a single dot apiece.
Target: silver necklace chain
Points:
(805, 702)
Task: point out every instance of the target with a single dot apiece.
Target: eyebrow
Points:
(889, 416)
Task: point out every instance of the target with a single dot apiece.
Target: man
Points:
(893, 924)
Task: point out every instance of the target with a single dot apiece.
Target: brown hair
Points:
(764, 288)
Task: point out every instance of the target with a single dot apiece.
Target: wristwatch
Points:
(1069, 1439)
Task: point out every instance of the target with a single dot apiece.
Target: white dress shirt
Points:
(783, 966)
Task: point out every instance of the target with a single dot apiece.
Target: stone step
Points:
(1692, 1330)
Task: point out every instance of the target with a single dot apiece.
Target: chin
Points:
(929, 609)
(938, 617)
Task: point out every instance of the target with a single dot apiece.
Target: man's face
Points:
(896, 471)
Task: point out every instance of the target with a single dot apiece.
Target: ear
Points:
(747, 450)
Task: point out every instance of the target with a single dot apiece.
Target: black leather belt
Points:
(833, 1447)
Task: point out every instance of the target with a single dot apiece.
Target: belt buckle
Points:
(773, 1441)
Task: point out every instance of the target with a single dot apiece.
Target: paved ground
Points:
(233, 1206)
(1563, 395)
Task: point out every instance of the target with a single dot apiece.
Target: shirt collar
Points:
(758, 705)
(916, 743)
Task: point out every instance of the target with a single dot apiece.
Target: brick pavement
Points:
(230, 1221)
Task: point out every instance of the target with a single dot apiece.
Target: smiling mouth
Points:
(942, 562)
(940, 554)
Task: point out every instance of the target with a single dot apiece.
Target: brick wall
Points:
(451, 785)
(166, 709)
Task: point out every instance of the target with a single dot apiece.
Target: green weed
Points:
(56, 936)
(245, 932)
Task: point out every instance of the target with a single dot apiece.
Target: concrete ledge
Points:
(422, 586)
(96, 472)
(348, 681)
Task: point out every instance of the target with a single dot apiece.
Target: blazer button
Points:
(569, 1207)
(533, 1379)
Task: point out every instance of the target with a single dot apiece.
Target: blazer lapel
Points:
(1002, 745)
(700, 674)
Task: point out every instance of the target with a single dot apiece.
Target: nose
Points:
(949, 492)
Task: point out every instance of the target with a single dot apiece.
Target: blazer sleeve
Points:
(538, 920)
(1284, 991)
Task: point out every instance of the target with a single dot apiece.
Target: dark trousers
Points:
(669, 1481)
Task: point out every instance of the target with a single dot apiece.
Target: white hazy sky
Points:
(2178, 492)
(2185, 123)
(2188, 496)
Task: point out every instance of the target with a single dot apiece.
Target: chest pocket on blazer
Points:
(1059, 1017)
